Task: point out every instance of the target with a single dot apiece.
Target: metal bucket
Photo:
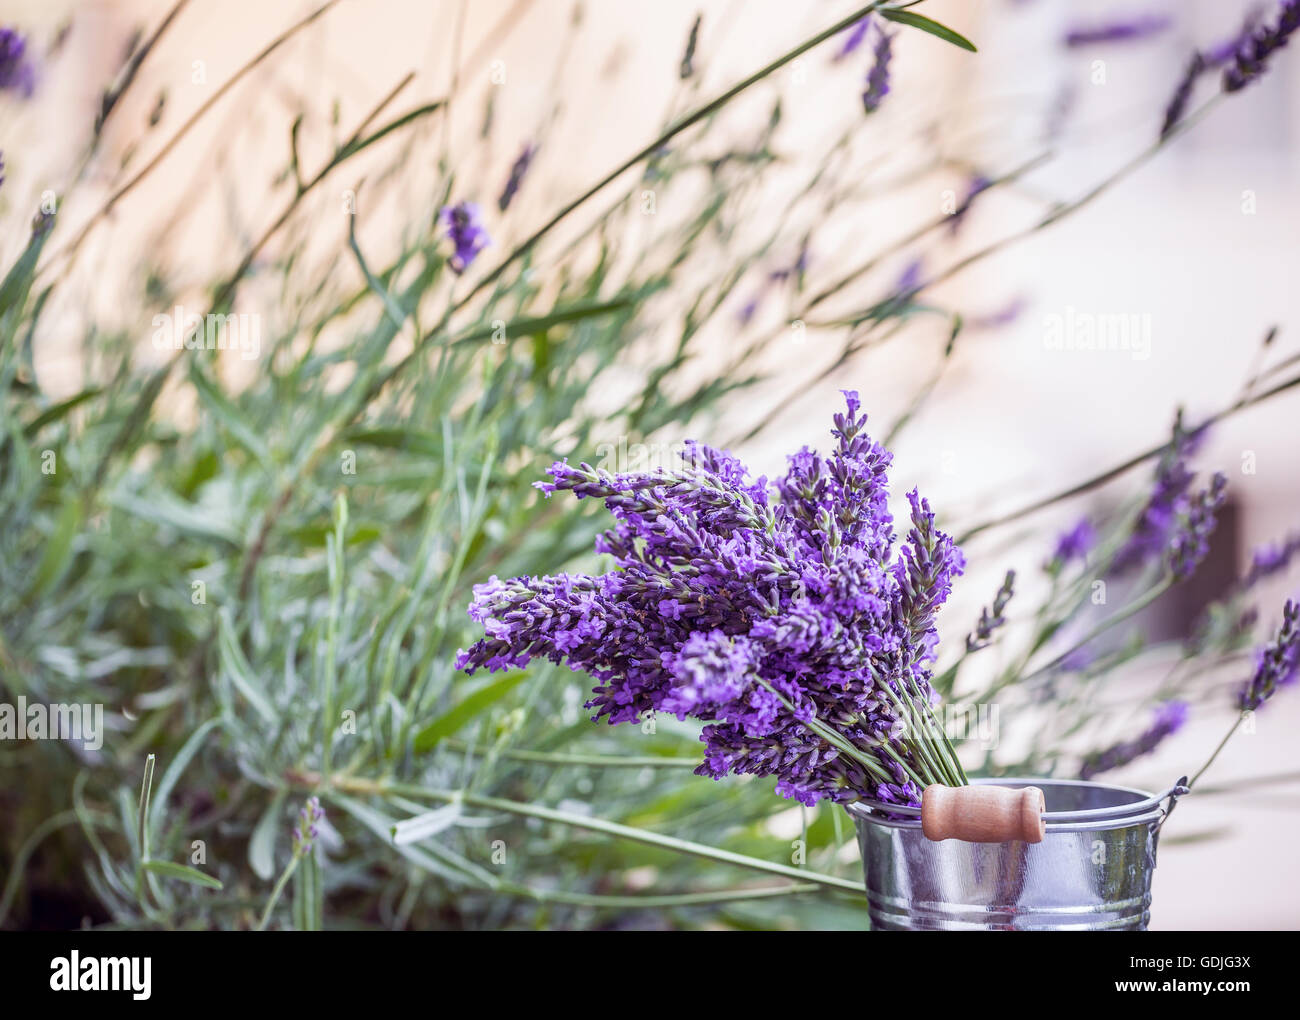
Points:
(1092, 870)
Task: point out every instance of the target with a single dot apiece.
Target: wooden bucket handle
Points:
(983, 814)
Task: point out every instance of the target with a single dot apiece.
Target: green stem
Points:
(594, 760)
(277, 891)
(644, 836)
(1222, 744)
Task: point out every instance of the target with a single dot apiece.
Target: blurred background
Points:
(1195, 244)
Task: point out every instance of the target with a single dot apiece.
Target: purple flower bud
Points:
(466, 231)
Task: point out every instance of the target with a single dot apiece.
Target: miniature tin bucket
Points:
(1090, 871)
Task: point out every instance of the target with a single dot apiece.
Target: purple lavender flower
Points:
(1182, 94)
(1279, 662)
(1190, 542)
(777, 614)
(1222, 52)
(1167, 503)
(306, 831)
(1268, 560)
(878, 77)
(16, 71)
(1000, 317)
(1127, 30)
(1169, 719)
(853, 39)
(517, 173)
(1251, 59)
(1074, 544)
(991, 618)
(465, 229)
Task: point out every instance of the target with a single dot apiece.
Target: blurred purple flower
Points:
(1268, 560)
(1165, 506)
(1170, 718)
(853, 39)
(878, 77)
(517, 173)
(17, 72)
(1251, 58)
(1190, 542)
(1279, 662)
(1074, 544)
(1140, 27)
(465, 229)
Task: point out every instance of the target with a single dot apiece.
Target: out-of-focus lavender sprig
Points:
(1072, 545)
(1166, 505)
(878, 77)
(1169, 719)
(1177, 107)
(991, 618)
(1221, 52)
(17, 72)
(1190, 542)
(778, 615)
(518, 171)
(1268, 560)
(1125, 30)
(465, 230)
(1279, 662)
(1250, 60)
(853, 39)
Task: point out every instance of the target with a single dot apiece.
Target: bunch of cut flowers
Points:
(783, 616)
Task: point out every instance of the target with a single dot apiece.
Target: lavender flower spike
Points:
(991, 618)
(1253, 55)
(1182, 95)
(878, 77)
(517, 173)
(16, 71)
(1279, 662)
(1191, 539)
(1141, 27)
(853, 39)
(466, 231)
(1170, 718)
(1074, 544)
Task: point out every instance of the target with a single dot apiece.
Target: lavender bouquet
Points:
(777, 614)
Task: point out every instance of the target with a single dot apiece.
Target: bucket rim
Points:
(1144, 808)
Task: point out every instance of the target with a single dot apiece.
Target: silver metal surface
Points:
(1092, 871)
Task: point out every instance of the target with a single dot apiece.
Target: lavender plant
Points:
(447, 372)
